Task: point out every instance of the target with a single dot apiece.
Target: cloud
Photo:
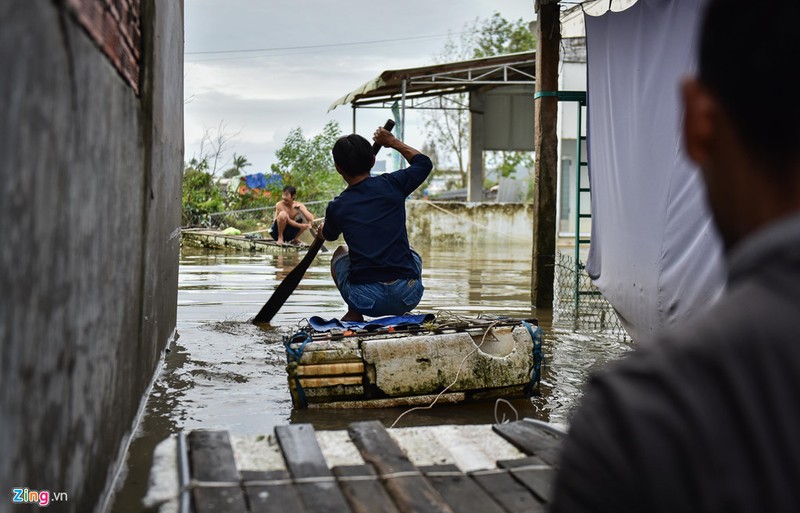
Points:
(263, 95)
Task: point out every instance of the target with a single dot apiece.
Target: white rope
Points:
(367, 477)
(503, 420)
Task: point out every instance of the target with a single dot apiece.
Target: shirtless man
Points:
(292, 218)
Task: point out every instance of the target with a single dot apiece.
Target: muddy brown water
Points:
(225, 373)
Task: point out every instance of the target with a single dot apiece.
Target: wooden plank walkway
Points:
(387, 479)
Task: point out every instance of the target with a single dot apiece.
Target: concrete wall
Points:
(469, 223)
(90, 178)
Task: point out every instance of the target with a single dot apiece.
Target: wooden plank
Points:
(330, 369)
(536, 475)
(330, 382)
(271, 491)
(364, 495)
(319, 356)
(393, 402)
(301, 451)
(460, 492)
(329, 351)
(531, 440)
(508, 492)
(317, 486)
(324, 394)
(211, 459)
(411, 492)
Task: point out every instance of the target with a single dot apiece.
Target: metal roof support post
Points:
(475, 173)
(396, 157)
(546, 148)
(403, 112)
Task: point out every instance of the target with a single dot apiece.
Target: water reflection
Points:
(225, 373)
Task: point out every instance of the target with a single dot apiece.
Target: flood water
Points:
(225, 373)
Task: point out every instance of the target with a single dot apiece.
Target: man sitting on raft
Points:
(377, 273)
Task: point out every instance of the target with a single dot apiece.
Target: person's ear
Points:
(373, 162)
(338, 169)
(699, 117)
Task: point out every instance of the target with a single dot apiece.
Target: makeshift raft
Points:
(215, 239)
(365, 469)
(410, 365)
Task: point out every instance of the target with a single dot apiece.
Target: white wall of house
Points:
(572, 77)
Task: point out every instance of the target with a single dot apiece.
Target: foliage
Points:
(239, 163)
(506, 162)
(213, 146)
(448, 129)
(498, 36)
(307, 163)
(448, 132)
(251, 199)
(200, 196)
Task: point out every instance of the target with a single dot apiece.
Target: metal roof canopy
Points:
(444, 79)
(476, 77)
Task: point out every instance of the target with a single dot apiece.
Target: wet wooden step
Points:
(367, 468)
(214, 473)
(315, 482)
(532, 439)
(410, 490)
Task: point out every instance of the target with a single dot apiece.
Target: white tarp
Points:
(655, 254)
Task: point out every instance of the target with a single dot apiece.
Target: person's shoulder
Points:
(685, 355)
(335, 203)
(421, 158)
(420, 161)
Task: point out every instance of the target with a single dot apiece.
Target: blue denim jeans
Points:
(378, 299)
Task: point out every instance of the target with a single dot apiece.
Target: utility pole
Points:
(548, 40)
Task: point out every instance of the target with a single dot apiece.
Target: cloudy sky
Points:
(300, 56)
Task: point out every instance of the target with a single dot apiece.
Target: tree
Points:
(498, 36)
(449, 129)
(200, 196)
(239, 163)
(307, 163)
(214, 146)
(506, 162)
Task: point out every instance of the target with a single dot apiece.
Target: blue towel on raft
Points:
(321, 325)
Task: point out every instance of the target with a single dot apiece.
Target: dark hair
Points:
(290, 189)
(353, 154)
(747, 52)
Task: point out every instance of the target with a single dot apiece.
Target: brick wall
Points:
(115, 25)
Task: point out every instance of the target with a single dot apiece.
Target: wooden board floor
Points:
(387, 480)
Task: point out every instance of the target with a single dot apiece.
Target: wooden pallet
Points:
(387, 481)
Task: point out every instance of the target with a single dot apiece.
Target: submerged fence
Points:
(578, 302)
(246, 219)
